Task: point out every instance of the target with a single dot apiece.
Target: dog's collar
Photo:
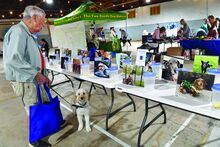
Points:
(80, 106)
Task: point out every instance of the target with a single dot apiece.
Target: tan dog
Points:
(199, 84)
(82, 99)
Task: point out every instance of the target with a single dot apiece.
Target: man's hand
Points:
(41, 79)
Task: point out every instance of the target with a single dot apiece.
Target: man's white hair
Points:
(33, 10)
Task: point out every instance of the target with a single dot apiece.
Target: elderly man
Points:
(23, 61)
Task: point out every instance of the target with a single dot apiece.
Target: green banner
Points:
(84, 12)
(91, 16)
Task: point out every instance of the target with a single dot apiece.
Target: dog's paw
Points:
(88, 129)
(80, 127)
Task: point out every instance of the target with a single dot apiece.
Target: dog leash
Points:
(77, 106)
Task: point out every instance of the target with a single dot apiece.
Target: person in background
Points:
(184, 30)
(159, 35)
(102, 34)
(23, 61)
(213, 27)
(203, 30)
(112, 33)
(44, 47)
(113, 38)
(124, 37)
(95, 41)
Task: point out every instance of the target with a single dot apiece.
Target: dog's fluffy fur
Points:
(199, 84)
(82, 99)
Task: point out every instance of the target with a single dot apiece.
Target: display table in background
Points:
(211, 47)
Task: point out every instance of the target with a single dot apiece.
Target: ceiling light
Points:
(11, 12)
(100, 4)
(68, 2)
(148, 1)
(49, 1)
(113, 5)
(51, 15)
(20, 15)
(12, 23)
(132, 6)
(61, 11)
(123, 5)
(20, 0)
(61, 15)
(3, 16)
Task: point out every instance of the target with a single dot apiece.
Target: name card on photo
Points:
(141, 57)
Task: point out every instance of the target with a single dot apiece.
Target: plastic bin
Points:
(85, 69)
(216, 94)
(149, 80)
(216, 72)
(157, 69)
(113, 73)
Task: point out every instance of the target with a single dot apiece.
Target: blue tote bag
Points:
(45, 118)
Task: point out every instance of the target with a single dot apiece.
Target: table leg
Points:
(69, 80)
(52, 76)
(143, 126)
(80, 83)
(141, 130)
(104, 90)
(132, 102)
(108, 115)
(111, 114)
(90, 90)
(164, 113)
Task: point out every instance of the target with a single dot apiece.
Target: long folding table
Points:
(165, 94)
(108, 83)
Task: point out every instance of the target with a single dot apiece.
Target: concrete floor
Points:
(198, 130)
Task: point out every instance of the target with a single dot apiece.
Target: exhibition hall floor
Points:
(182, 129)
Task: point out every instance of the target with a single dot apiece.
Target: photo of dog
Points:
(193, 89)
(205, 66)
(195, 86)
(82, 99)
(170, 66)
(202, 63)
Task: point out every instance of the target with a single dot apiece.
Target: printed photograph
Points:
(203, 63)
(195, 85)
(170, 66)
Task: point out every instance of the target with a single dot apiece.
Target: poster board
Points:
(71, 36)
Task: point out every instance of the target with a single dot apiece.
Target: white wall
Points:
(172, 12)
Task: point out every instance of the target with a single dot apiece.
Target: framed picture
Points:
(169, 67)
(101, 68)
(203, 63)
(195, 85)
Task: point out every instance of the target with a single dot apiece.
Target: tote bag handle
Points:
(39, 93)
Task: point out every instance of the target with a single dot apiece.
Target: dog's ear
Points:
(89, 95)
(202, 62)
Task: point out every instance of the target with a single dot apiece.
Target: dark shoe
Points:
(40, 143)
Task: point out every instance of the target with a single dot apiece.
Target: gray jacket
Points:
(21, 55)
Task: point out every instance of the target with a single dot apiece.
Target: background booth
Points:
(72, 30)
